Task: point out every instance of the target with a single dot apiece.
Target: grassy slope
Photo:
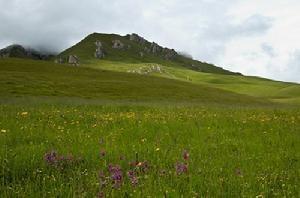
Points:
(85, 51)
(179, 69)
(252, 86)
(38, 78)
(234, 151)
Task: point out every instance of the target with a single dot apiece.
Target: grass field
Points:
(84, 132)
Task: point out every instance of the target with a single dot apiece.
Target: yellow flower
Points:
(24, 113)
(157, 149)
(3, 131)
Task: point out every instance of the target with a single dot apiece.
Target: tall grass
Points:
(233, 151)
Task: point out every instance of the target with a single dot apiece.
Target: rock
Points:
(147, 50)
(99, 53)
(170, 54)
(145, 70)
(117, 44)
(73, 60)
(155, 48)
(137, 38)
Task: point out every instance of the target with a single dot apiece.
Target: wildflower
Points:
(157, 149)
(3, 131)
(133, 178)
(102, 179)
(181, 168)
(60, 161)
(51, 157)
(24, 113)
(185, 155)
(116, 175)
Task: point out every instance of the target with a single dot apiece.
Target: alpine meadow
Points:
(119, 116)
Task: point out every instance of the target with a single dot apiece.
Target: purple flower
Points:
(133, 178)
(51, 157)
(116, 175)
(61, 162)
(181, 168)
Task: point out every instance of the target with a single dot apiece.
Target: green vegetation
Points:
(98, 130)
(85, 50)
(233, 152)
(41, 78)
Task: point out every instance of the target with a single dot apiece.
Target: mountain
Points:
(133, 48)
(18, 51)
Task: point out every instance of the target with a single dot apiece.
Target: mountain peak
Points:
(133, 48)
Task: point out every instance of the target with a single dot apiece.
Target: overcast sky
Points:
(254, 37)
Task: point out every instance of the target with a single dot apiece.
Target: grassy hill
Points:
(20, 77)
(180, 68)
(246, 85)
(85, 50)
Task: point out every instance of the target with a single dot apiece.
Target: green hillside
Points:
(246, 85)
(85, 50)
(179, 68)
(126, 127)
(20, 77)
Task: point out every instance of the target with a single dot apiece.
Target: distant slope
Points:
(136, 50)
(19, 77)
(18, 51)
(247, 85)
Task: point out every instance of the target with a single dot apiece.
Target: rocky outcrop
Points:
(155, 48)
(170, 54)
(137, 38)
(145, 70)
(73, 60)
(117, 44)
(99, 53)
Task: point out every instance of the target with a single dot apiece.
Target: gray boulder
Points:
(73, 60)
(117, 44)
(99, 53)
